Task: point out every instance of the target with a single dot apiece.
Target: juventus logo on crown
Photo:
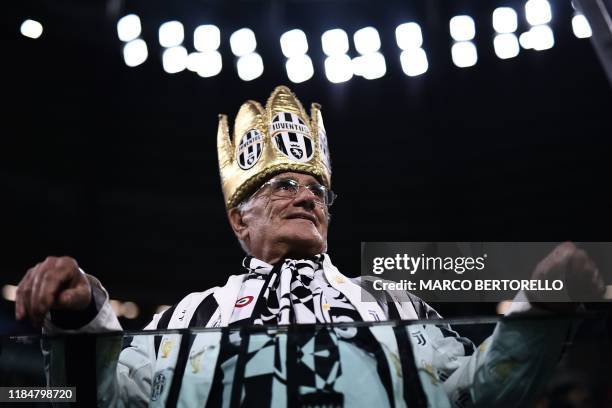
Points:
(265, 142)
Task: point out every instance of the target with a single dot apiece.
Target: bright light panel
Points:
(505, 20)
(357, 64)
(206, 38)
(525, 40)
(31, 29)
(299, 68)
(135, 53)
(129, 28)
(211, 64)
(464, 54)
(373, 66)
(243, 42)
(409, 36)
(414, 62)
(335, 42)
(366, 40)
(462, 28)
(506, 45)
(369, 66)
(338, 68)
(194, 61)
(250, 66)
(541, 37)
(171, 34)
(581, 26)
(174, 59)
(294, 43)
(538, 12)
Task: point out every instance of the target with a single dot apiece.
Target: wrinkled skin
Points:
(57, 283)
(273, 228)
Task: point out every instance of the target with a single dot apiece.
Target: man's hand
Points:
(576, 269)
(53, 283)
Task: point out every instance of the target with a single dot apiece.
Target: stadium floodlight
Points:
(171, 34)
(367, 40)
(135, 52)
(294, 43)
(506, 45)
(414, 61)
(335, 42)
(505, 20)
(525, 40)
(243, 42)
(338, 68)
(206, 38)
(581, 26)
(174, 59)
(370, 66)
(541, 37)
(538, 12)
(129, 28)
(194, 61)
(409, 36)
(211, 64)
(464, 54)
(250, 66)
(299, 68)
(31, 29)
(357, 65)
(462, 28)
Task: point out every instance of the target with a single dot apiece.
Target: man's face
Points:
(274, 227)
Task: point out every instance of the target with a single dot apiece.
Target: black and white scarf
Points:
(265, 370)
(292, 291)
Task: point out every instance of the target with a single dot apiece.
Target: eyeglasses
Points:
(289, 188)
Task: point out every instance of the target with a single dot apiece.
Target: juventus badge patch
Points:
(291, 137)
(249, 149)
(159, 382)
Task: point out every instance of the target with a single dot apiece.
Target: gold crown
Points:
(279, 138)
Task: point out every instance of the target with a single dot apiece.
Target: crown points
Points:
(251, 115)
(224, 144)
(279, 138)
(283, 100)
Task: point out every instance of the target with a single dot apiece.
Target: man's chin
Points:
(300, 246)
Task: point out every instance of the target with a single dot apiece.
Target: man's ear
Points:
(237, 222)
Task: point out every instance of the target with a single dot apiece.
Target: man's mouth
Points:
(304, 216)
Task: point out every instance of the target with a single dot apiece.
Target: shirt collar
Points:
(254, 265)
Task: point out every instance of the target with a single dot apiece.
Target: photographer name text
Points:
(468, 285)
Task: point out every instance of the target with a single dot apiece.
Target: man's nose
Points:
(305, 198)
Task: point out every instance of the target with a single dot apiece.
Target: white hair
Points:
(240, 207)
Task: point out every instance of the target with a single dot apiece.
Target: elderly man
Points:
(276, 177)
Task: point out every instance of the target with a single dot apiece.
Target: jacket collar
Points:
(227, 295)
(369, 311)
